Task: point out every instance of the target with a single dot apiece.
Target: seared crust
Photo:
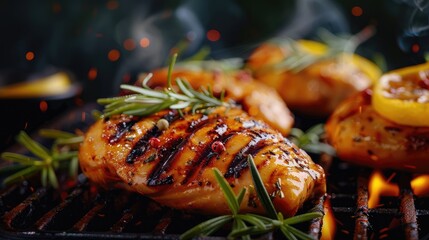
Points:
(178, 173)
(361, 136)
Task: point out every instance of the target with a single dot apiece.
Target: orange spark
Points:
(415, 48)
(43, 106)
(92, 73)
(129, 44)
(113, 55)
(144, 42)
(213, 35)
(357, 11)
(29, 56)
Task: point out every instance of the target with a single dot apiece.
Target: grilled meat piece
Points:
(317, 89)
(362, 136)
(257, 99)
(176, 171)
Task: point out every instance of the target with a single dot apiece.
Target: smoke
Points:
(311, 15)
(415, 29)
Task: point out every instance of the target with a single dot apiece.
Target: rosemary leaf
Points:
(52, 178)
(11, 168)
(32, 145)
(240, 196)
(170, 70)
(144, 91)
(74, 167)
(65, 156)
(287, 233)
(203, 228)
(227, 191)
(44, 177)
(261, 190)
(69, 141)
(297, 233)
(302, 218)
(253, 220)
(21, 175)
(18, 158)
(184, 86)
(53, 133)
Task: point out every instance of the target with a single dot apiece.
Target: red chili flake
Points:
(218, 147)
(155, 142)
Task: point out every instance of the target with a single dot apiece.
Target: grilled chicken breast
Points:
(362, 136)
(257, 99)
(177, 170)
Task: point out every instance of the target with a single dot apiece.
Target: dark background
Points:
(78, 35)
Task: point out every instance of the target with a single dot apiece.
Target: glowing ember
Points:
(415, 48)
(357, 11)
(129, 44)
(379, 186)
(420, 185)
(43, 106)
(113, 55)
(112, 5)
(144, 42)
(213, 35)
(29, 56)
(92, 73)
(329, 227)
(56, 8)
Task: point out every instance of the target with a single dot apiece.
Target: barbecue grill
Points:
(83, 211)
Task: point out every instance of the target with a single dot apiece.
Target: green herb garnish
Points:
(298, 59)
(247, 225)
(62, 154)
(311, 140)
(147, 101)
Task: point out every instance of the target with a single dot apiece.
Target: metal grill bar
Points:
(361, 215)
(126, 219)
(23, 208)
(82, 224)
(50, 216)
(407, 208)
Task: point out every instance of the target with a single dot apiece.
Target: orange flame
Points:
(329, 227)
(379, 186)
(420, 185)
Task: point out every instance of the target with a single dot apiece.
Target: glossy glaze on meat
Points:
(177, 172)
(362, 136)
(257, 99)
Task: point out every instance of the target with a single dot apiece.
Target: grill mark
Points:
(122, 128)
(207, 153)
(143, 143)
(239, 163)
(169, 154)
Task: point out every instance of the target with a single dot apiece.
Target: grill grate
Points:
(82, 211)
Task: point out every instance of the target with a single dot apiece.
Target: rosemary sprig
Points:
(247, 225)
(312, 140)
(299, 59)
(146, 101)
(62, 154)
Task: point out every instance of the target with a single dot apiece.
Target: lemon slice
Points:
(55, 84)
(402, 96)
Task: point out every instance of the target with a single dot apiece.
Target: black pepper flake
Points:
(150, 158)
